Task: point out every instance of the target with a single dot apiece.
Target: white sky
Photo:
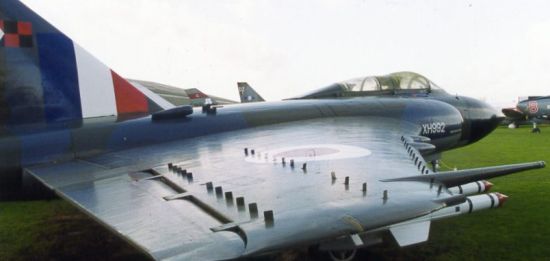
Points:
(494, 50)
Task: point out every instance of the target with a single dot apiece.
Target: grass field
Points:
(518, 231)
(54, 230)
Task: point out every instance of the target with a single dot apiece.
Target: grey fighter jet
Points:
(534, 109)
(337, 168)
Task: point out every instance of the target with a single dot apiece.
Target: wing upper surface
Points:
(172, 213)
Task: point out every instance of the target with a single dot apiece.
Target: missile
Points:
(472, 204)
(486, 201)
(472, 188)
(421, 225)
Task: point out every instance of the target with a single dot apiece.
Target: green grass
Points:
(55, 230)
(519, 231)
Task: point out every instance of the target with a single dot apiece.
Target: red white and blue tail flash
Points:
(45, 77)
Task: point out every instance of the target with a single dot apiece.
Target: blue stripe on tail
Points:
(59, 77)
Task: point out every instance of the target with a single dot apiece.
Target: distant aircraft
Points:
(337, 168)
(178, 96)
(248, 94)
(534, 109)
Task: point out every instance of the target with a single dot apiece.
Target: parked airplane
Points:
(248, 94)
(337, 168)
(178, 96)
(534, 109)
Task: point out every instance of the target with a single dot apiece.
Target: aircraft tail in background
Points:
(248, 94)
(45, 77)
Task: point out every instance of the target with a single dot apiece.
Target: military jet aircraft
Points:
(534, 109)
(248, 94)
(178, 96)
(337, 168)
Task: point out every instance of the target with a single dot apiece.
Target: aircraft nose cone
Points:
(482, 126)
(496, 120)
(500, 117)
(483, 119)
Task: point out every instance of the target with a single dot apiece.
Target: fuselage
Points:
(537, 108)
(448, 121)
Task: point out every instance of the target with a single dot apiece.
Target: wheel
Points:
(344, 255)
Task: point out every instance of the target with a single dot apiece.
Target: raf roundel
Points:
(533, 107)
(313, 152)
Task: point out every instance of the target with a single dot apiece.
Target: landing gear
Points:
(512, 125)
(535, 128)
(343, 255)
(435, 165)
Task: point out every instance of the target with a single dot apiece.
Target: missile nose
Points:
(501, 199)
(488, 185)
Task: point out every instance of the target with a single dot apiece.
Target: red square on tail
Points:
(24, 28)
(11, 40)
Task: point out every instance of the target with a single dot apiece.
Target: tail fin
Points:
(45, 77)
(197, 97)
(248, 94)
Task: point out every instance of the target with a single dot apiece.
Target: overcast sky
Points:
(495, 50)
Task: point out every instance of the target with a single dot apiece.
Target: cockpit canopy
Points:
(399, 83)
(394, 81)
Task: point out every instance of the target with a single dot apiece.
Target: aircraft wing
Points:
(513, 113)
(230, 195)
